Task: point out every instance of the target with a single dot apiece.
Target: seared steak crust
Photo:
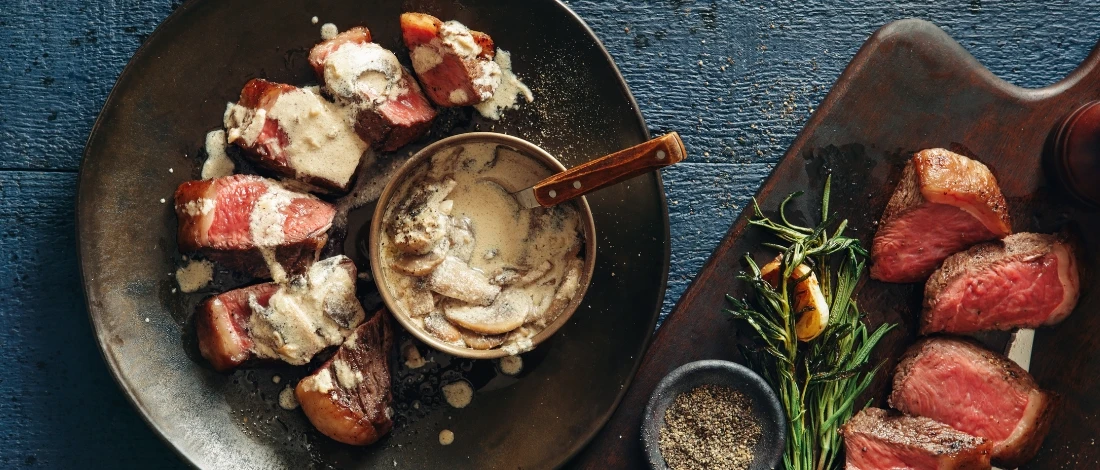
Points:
(349, 398)
(944, 203)
(878, 439)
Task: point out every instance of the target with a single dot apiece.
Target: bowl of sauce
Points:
(462, 264)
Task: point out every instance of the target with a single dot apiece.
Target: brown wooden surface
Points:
(910, 87)
(620, 166)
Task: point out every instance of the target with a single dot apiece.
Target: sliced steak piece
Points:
(876, 439)
(1026, 280)
(349, 398)
(221, 324)
(252, 224)
(454, 63)
(387, 105)
(287, 322)
(976, 391)
(294, 132)
(944, 203)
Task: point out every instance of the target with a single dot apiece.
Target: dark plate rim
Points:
(112, 365)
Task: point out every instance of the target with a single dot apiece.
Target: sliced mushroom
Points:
(535, 274)
(422, 265)
(516, 276)
(439, 327)
(418, 223)
(508, 312)
(568, 288)
(415, 295)
(479, 341)
(808, 298)
(457, 280)
(462, 238)
(505, 276)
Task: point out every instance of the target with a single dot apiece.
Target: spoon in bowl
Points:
(604, 171)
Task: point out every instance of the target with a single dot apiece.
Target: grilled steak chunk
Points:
(288, 322)
(252, 224)
(1026, 280)
(944, 203)
(295, 133)
(454, 63)
(876, 439)
(349, 398)
(221, 323)
(976, 391)
(386, 103)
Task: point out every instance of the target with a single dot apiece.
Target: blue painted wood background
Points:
(736, 78)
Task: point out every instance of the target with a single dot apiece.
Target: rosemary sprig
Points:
(818, 381)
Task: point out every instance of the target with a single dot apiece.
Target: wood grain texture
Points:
(736, 79)
(910, 87)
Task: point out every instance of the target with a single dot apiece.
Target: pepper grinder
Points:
(1074, 159)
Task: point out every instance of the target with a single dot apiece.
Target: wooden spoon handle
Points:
(605, 171)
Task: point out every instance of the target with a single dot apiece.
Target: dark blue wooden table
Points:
(736, 78)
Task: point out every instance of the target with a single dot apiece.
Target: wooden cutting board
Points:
(908, 88)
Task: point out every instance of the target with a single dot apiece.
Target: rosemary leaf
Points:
(817, 382)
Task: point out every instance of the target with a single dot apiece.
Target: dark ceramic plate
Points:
(766, 409)
(146, 142)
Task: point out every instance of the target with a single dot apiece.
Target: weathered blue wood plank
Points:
(738, 78)
(59, 407)
(702, 197)
(59, 60)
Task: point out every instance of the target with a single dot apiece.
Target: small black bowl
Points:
(766, 409)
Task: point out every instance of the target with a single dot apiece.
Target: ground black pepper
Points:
(709, 428)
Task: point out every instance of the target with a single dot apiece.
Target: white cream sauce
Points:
(345, 375)
(458, 394)
(319, 382)
(287, 399)
(310, 313)
(457, 36)
(533, 252)
(329, 31)
(268, 218)
(364, 71)
(507, 94)
(198, 207)
(194, 275)
(425, 58)
(489, 80)
(322, 142)
(217, 162)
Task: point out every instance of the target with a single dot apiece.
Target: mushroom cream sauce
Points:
(466, 262)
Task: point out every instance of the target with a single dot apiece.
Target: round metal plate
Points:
(146, 142)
